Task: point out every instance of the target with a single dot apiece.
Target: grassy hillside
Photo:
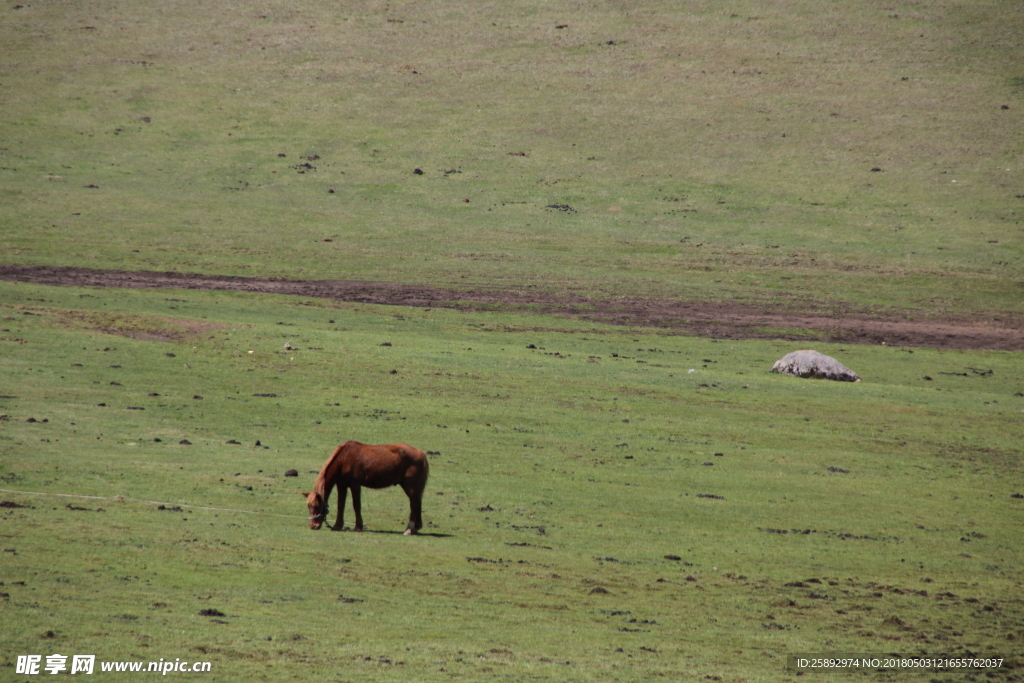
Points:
(860, 153)
(604, 503)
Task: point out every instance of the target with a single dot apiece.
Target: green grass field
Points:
(606, 503)
(563, 476)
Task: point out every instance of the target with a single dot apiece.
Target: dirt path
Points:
(721, 320)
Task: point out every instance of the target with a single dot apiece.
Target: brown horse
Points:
(353, 465)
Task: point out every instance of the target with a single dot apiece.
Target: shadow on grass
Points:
(394, 533)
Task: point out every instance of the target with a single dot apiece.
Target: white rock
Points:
(816, 365)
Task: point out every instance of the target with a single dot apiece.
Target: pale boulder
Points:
(814, 365)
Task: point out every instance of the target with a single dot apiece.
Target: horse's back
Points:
(381, 465)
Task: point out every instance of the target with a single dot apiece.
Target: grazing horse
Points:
(353, 465)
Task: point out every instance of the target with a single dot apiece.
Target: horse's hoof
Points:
(408, 532)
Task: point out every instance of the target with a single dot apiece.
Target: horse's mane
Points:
(320, 486)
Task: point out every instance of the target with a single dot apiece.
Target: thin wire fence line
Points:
(153, 502)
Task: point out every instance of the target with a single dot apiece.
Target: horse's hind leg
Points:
(339, 523)
(357, 507)
(415, 494)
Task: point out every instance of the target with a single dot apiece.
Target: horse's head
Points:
(317, 509)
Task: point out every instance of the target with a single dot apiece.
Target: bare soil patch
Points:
(716, 319)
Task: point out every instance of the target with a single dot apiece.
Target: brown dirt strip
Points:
(720, 320)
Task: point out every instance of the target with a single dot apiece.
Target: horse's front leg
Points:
(357, 507)
(339, 523)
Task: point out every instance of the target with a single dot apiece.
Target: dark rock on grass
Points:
(11, 504)
(597, 590)
(211, 613)
(838, 470)
(185, 442)
(291, 473)
(811, 364)
(674, 558)
(173, 508)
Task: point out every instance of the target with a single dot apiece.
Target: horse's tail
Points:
(426, 470)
